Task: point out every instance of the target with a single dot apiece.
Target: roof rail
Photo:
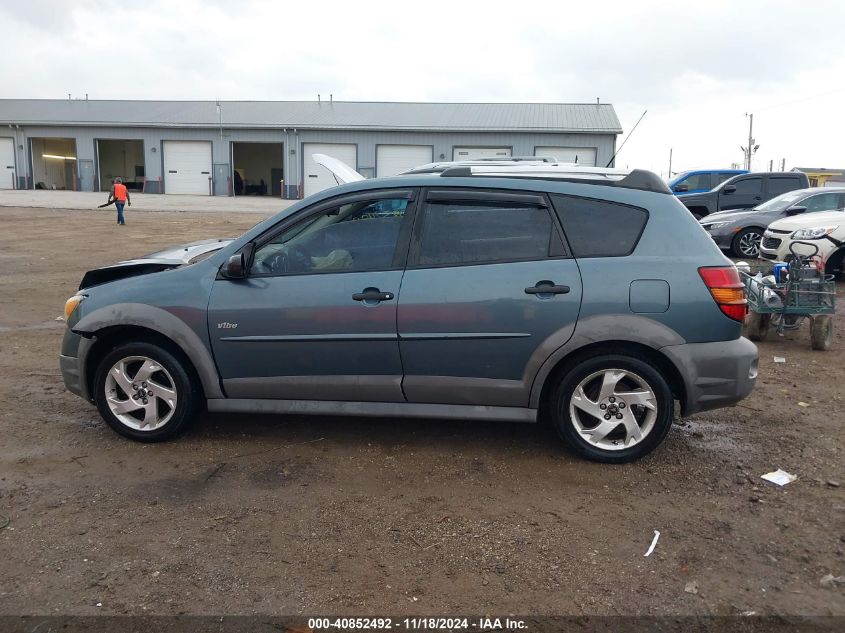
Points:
(516, 159)
(635, 179)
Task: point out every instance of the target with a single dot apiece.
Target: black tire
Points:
(185, 385)
(821, 332)
(744, 234)
(566, 427)
(757, 325)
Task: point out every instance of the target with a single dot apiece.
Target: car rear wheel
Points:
(612, 408)
(145, 393)
(746, 243)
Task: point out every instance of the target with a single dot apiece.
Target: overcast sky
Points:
(696, 67)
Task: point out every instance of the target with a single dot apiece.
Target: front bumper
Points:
(71, 375)
(723, 240)
(716, 374)
(72, 363)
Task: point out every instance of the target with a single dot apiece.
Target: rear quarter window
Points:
(597, 228)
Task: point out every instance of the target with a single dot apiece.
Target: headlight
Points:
(71, 305)
(715, 225)
(815, 233)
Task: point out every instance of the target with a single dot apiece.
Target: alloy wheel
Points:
(141, 393)
(749, 244)
(613, 409)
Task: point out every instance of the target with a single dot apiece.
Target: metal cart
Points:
(806, 293)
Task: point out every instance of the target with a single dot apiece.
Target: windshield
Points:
(674, 181)
(783, 201)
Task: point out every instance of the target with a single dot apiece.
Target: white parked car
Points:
(826, 230)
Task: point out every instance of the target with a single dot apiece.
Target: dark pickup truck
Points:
(744, 192)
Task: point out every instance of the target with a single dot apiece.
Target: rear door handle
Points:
(546, 288)
(373, 295)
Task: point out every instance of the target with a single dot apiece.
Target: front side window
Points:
(697, 181)
(597, 228)
(748, 186)
(822, 202)
(358, 236)
(456, 233)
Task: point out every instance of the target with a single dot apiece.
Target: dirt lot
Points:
(326, 515)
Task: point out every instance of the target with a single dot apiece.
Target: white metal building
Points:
(265, 147)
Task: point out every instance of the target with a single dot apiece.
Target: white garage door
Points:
(394, 159)
(187, 167)
(580, 155)
(7, 163)
(317, 177)
(469, 153)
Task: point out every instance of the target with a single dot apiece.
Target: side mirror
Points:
(236, 266)
(796, 210)
(728, 189)
(681, 188)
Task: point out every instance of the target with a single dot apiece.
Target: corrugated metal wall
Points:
(521, 144)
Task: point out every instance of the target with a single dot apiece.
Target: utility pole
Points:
(751, 148)
(670, 163)
(783, 164)
(771, 164)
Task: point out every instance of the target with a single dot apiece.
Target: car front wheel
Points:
(145, 393)
(746, 243)
(612, 408)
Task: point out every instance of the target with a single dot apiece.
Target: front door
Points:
(489, 293)
(748, 194)
(315, 319)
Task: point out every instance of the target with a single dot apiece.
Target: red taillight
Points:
(727, 289)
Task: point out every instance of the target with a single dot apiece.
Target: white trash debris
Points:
(780, 359)
(653, 543)
(779, 477)
(829, 580)
(691, 587)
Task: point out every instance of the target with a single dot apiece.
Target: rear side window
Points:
(455, 233)
(779, 185)
(597, 228)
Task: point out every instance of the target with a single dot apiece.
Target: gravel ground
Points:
(356, 516)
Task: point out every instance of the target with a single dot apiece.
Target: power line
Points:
(786, 103)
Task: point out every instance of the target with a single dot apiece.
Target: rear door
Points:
(489, 292)
(748, 194)
(777, 185)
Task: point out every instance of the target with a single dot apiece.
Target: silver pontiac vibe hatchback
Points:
(513, 290)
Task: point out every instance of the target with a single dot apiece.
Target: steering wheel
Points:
(288, 260)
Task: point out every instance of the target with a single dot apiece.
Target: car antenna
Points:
(626, 140)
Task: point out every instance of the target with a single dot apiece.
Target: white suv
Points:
(826, 230)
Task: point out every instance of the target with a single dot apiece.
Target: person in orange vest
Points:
(120, 194)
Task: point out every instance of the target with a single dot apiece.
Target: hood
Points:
(342, 172)
(727, 216)
(154, 262)
(805, 221)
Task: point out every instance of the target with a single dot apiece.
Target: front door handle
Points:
(546, 288)
(372, 295)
